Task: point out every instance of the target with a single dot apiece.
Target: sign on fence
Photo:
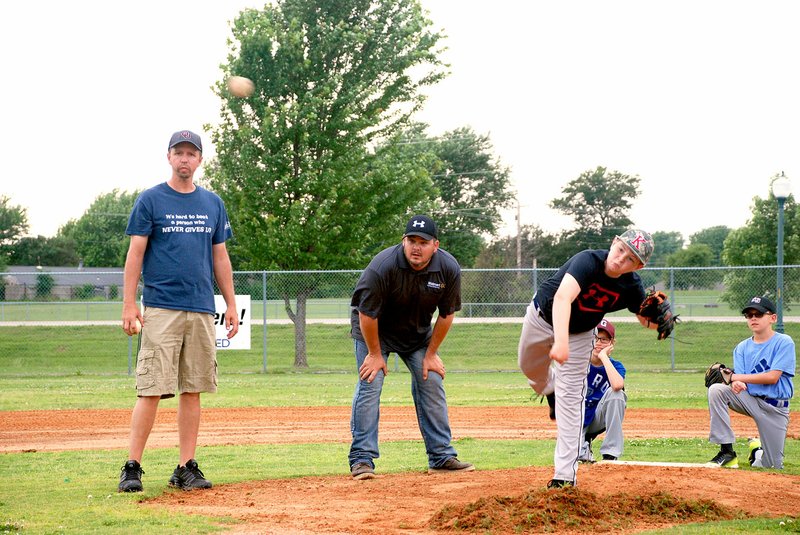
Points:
(242, 338)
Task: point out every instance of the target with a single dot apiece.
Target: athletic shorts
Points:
(177, 350)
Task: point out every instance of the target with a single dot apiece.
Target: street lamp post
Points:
(781, 189)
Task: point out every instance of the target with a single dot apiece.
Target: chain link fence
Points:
(67, 321)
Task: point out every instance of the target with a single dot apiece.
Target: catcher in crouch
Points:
(758, 386)
(559, 325)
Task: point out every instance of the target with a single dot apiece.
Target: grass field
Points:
(689, 303)
(44, 368)
(97, 349)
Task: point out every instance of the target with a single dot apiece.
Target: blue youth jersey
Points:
(777, 353)
(596, 385)
(178, 267)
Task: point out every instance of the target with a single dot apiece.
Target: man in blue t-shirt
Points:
(178, 232)
(605, 398)
(760, 387)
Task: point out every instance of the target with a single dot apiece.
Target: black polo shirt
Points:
(599, 293)
(404, 300)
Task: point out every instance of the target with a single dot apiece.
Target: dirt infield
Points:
(405, 503)
(88, 429)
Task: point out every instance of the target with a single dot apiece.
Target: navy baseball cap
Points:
(761, 304)
(423, 226)
(185, 136)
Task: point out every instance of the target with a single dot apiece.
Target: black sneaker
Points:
(607, 457)
(559, 484)
(362, 470)
(551, 401)
(130, 480)
(452, 465)
(725, 459)
(189, 477)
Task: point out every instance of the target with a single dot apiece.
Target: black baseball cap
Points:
(423, 226)
(761, 304)
(185, 136)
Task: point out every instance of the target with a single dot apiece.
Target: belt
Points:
(539, 310)
(779, 403)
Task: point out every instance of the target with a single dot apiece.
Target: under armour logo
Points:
(638, 241)
(418, 224)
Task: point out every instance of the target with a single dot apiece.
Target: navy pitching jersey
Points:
(599, 293)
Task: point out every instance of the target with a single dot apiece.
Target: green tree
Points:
(695, 255)
(55, 251)
(44, 285)
(714, 237)
(99, 234)
(599, 201)
(13, 224)
(667, 243)
(535, 245)
(755, 244)
(333, 78)
(473, 188)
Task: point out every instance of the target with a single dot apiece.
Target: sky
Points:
(700, 100)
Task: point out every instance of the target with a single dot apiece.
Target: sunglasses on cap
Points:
(757, 315)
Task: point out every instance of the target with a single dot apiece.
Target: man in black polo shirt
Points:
(392, 309)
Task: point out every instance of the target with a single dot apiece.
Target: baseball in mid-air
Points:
(241, 87)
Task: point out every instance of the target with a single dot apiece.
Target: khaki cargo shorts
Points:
(178, 349)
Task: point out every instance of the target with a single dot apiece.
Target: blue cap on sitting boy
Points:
(423, 226)
(761, 304)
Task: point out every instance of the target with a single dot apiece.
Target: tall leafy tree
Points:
(599, 200)
(44, 251)
(13, 224)
(99, 234)
(667, 243)
(303, 188)
(714, 237)
(473, 188)
(755, 244)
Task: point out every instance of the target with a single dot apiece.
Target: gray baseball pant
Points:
(570, 385)
(772, 422)
(608, 418)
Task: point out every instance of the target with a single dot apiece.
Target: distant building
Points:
(25, 283)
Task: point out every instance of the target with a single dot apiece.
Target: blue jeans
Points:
(429, 401)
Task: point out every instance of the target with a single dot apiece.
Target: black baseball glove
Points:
(718, 373)
(656, 309)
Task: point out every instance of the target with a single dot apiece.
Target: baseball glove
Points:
(718, 373)
(656, 309)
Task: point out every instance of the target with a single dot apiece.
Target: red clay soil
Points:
(101, 429)
(480, 501)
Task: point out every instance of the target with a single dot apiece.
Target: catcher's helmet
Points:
(640, 243)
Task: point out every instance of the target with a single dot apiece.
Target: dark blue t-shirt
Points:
(596, 385)
(404, 300)
(599, 293)
(178, 266)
